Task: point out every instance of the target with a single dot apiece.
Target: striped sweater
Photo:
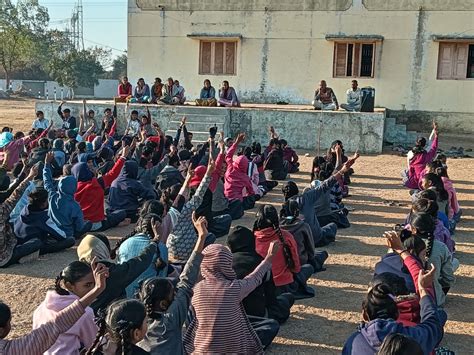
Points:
(221, 325)
(42, 338)
(182, 239)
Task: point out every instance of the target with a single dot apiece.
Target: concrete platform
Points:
(298, 124)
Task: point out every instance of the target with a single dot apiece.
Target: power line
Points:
(105, 45)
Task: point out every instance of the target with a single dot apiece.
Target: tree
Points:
(21, 28)
(119, 67)
(76, 68)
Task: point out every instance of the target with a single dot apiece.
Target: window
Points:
(455, 60)
(217, 57)
(354, 60)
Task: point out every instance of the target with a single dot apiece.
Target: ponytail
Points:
(57, 286)
(424, 226)
(286, 248)
(102, 326)
(380, 303)
(72, 273)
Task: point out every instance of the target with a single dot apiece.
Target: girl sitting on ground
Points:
(418, 157)
(148, 228)
(122, 328)
(288, 274)
(454, 211)
(44, 337)
(220, 325)
(380, 311)
(73, 283)
(167, 305)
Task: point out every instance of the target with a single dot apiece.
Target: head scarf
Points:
(199, 173)
(92, 247)
(5, 138)
(82, 172)
(217, 263)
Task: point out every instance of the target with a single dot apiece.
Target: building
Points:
(418, 55)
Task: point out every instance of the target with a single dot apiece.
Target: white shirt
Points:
(354, 97)
(44, 123)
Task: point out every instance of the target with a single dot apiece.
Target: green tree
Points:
(119, 67)
(76, 68)
(22, 26)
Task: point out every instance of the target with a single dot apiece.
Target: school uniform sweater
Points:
(63, 209)
(301, 232)
(164, 335)
(442, 234)
(282, 274)
(236, 178)
(369, 337)
(444, 275)
(90, 190)
(42, 338)
(8, 239)
(417, 165)
(221, 325)
(182, 239)
(36, 225)
(453, 207)
(393, 263)
(307, 202)
(80, 335)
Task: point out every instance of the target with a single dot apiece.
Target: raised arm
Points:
(47, 175)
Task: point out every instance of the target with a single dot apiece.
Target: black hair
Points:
(267, 216)
(289, 212)
(256, 148)
(424, 205)
(326, 170)
(289, 190)
(72, 273)
(18, 135)
(396, 283)
(66, 110)
(169, 195)
(81, 147)
(134, 112)
(414, 244)
(36, 199)
(318, 161)
(379, 303)
(155, 291)
(419, 145)
(174, 160)
(424, 227)
(428, 194)
(436, 182)
(152, 206)
(283, 142)
(44, 143)
(122, 317)
(433, 165)
(400, 344)
(442, 172)
(5, 314)
(6, 129)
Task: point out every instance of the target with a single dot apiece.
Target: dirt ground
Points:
(321, 324)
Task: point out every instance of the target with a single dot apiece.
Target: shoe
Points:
(29, 258)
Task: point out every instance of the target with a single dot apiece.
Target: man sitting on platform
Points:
(124, 91)
(156, 91)
(170, 91)
(324, 98)
(180, 95)
(354, 98)
(207, 96)
(227, 96)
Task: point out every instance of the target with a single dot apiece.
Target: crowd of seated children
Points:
(182, 197)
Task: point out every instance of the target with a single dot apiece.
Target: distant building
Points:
(419, 55)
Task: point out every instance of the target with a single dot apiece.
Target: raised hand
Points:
(393, 241)
(240, 138)
(49, 158)
(272, 250)
(426, 277)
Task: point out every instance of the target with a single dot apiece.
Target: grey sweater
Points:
(444, 275)
(164, 334)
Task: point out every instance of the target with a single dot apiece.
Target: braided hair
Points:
(380, 303)
(317, 163)
(289, 212)
(267, 216)
(155, 291)
(123, 317)
(423, 225)
(102, 328)
(419, 145)
(289, 190)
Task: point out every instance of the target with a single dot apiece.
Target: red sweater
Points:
(90, 194)
(282, 274)
(409, 306)
(124, 91)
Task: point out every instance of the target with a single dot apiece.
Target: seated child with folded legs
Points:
(263, 301)
(288, 273)
(167, 305)
(74, 282)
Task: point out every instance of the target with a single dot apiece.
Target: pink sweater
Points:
(236, 178)
(42, 338)
(14, 148)
(416, 170)
(453, 206)
(81, 334)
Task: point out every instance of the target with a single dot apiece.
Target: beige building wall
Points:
(283, 51)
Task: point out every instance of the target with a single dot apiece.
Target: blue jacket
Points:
(369, 337)
(63, 209)
(36, 224)
(133, 247)
(393, 263)
(307, 202)
(126, 189)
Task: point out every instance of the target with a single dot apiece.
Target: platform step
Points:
(201, 110)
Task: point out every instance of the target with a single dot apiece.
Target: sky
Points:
(105, 21)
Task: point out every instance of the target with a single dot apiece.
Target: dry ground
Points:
(321, 324)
